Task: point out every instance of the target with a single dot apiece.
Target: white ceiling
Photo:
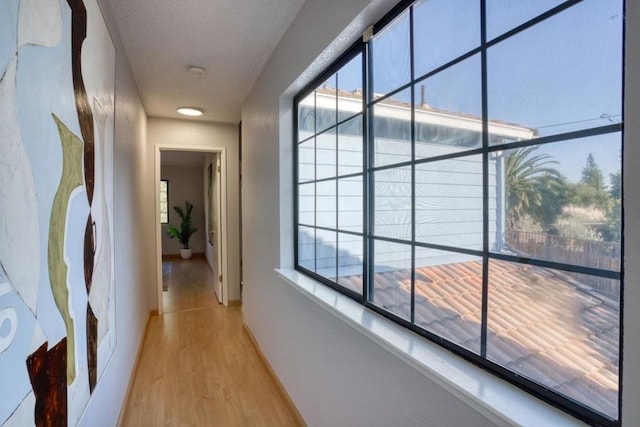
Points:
(231, 39)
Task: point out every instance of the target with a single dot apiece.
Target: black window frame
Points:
(362, 47)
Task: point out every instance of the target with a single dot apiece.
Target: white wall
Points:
(208, 136)
(631, 194)
(334, 375)
(134, 264)
(185, 183)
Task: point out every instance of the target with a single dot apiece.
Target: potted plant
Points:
(186, 230)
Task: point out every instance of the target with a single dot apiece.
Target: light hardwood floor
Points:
(197, 366)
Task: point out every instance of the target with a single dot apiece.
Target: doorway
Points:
(212, 209)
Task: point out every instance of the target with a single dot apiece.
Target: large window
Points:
(460, 173)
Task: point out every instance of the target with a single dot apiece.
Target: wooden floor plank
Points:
(197, 367)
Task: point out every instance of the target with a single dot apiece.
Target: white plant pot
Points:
(185, 253)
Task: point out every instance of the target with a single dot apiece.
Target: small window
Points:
(164, 201)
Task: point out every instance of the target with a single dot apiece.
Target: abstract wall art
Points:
(57, 277)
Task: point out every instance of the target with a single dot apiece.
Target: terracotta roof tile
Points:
(585, 390)
(501, 325)
(604, 378)
(503, 351)
(463, 304)
(540, 368)
(541, 325)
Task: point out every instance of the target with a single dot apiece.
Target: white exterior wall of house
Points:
(443, 216)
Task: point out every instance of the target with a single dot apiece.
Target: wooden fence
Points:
(586, 253)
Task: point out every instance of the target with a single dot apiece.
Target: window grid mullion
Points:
(336, 174)
(365, 195)
(296, 186)
(413, 168)
(584, 133)
(369, 142)
(330, 128)
(315, 179)
(485, 182)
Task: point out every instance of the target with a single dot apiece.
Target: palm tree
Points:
(530, 181)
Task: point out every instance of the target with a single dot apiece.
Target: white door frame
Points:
(215, 164)
(223, 209)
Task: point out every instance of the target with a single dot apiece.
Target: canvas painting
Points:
(57, 287)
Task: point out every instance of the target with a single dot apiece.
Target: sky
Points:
(559, 76)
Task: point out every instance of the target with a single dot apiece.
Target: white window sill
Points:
(498, 400)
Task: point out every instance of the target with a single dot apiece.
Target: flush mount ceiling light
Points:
(190, 111)
(195, 71)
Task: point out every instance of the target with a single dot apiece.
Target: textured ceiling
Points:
(231, 39)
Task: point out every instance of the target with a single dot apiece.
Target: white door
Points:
(217, 235)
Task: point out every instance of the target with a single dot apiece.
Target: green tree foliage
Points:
(615, 179)
(554, 196)
(533, 186)
(585, 195)
(592, 175)
(591, 190)
(580, 222)
(612, 231)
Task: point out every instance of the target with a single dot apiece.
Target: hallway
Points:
(198, 367)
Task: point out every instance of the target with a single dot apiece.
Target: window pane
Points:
(164, 213)
(326, 154)
(504, 15)
(326, 99)
(350, 147)
(448, 110)
(164, 202)
(326, 252)
(306, 117)
(562, 75)
(556, 329)
(392, 202)
(563, 201)
(326, 204)
(392, 278)
(350, 262)
(306, 204)
(391, 56)
(392, 129)
(449, 202)
(306, 160)
(307, 248)
(350, 88)
(350, 216)
(444, 30)
(449, 296)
